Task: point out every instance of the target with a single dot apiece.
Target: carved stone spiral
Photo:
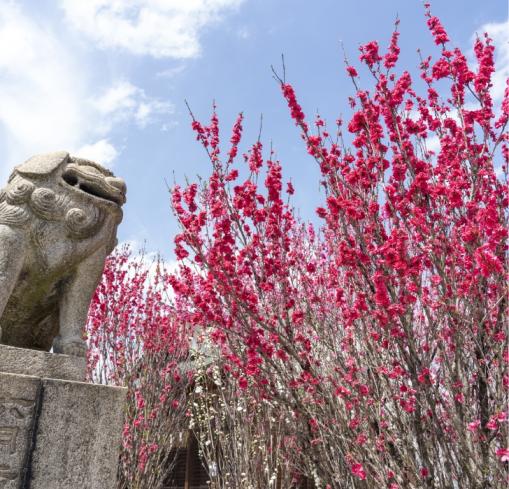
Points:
(83, 224)
(13, 215)
(19, 192)
(46, 204)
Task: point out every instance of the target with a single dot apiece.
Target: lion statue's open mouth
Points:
(96, 181)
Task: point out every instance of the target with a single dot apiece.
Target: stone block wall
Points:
(56, 432)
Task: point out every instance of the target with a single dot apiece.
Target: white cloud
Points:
(123, 101)
(171, 72)
(119, 97)
(40, 88)
(47, 102)
(499, 32)
(433, 143)
(102, 151)
(243, 33)
(160, 28)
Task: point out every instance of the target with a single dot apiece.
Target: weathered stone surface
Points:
(56, 434)
(78, 436)
(18, 405)
(41, 364)
(58, 222)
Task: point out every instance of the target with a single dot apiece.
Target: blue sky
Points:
(107, 79)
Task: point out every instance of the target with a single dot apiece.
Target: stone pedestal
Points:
(56, 432)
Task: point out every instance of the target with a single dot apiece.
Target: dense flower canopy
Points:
(378, 335)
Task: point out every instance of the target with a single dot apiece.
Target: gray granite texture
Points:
(57, 434)
(58, 222)
(19, 397)
(78, 436)
(41, 364)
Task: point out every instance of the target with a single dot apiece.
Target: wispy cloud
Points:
(123, 101)
(102, 151)
(499, 32)
(47, 101)
(243, 33)
(169, 28)
(41, 88)
(171, 72)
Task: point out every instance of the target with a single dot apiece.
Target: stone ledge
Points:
(41, 364)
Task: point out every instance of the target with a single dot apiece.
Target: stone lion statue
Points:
(58, 222)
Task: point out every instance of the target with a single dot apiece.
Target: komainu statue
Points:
(58, 222)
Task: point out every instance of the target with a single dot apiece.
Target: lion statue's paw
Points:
(70, 346)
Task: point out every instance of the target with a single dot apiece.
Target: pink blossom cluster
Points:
(382, 332)
(136, 341)
(378, 336)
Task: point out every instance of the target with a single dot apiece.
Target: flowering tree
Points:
(381, 334)
(135, 342)
(243, 441)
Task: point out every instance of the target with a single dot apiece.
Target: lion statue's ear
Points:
(42, 165)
